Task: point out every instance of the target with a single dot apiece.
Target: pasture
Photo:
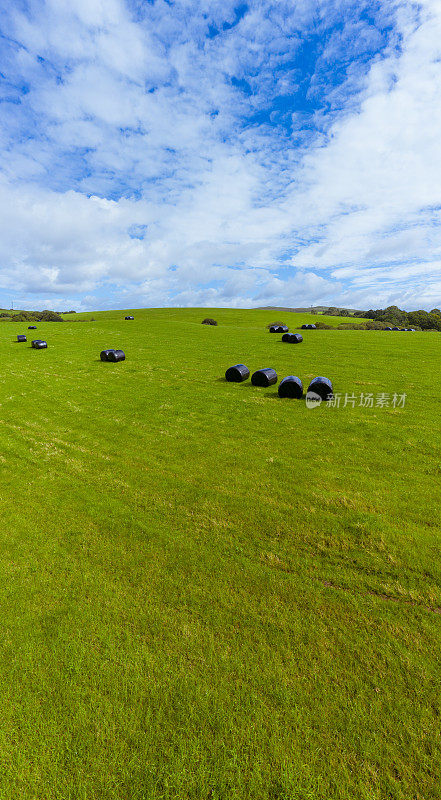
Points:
(207, 591)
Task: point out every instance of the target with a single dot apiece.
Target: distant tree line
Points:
(32, 316)
(333, 311)
(394, 316)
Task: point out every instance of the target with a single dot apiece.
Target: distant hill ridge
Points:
(308, 310)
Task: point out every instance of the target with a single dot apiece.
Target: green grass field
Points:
(207, 591)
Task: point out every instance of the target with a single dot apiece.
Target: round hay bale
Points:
(116, 355)
(304, 327)
(321, 386)
(104, 355)
(32, 327)
(39, 344)
(129, 317)
(274, 329)
(264, 377)
(292, 338)
(291, 386)
(395, 329)
(21, 338)
(388, 329)
(283, 329)
(237, 374)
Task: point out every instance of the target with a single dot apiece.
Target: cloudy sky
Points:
(219, 153)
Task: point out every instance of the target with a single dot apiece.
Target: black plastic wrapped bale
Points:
(388, 329)
(274, 329)
(21, 338)
(291, 386)
(237, 374)
(292, 338)
(39, 344)
(283, 329)
(116, 355)
(304, 327)
(395, 329)
(104, 355)
(32, 327)
(321, 386)
(129, 317)
(312, 327)
(264, 377)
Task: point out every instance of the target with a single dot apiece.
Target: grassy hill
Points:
(209, 592)
(255, 318)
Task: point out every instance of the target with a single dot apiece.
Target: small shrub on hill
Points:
(50, 316)
(37, 316)
(275, 323)
(374, 326)
(25, 316)
(371, 325)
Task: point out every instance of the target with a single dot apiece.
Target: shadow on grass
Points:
(248, 385)
(244, 384)
(98, 361)
(275, 396)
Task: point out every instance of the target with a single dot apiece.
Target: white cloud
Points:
(375, 188)
(126, 119)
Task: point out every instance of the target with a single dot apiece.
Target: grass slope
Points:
(209, 592)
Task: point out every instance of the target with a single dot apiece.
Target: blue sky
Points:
(209, 153)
